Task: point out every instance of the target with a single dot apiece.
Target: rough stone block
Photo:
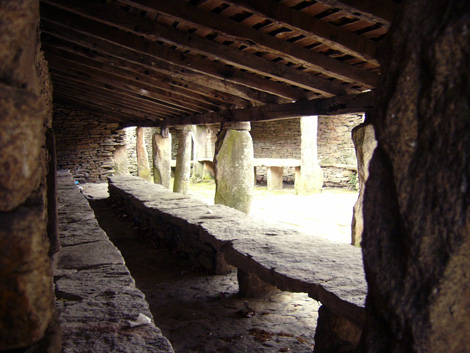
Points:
(335, 334)
(22, 136)
(26, 302)
(251, 286)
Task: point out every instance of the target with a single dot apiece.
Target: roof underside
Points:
(164, 63)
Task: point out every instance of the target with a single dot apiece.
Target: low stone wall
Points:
(219, 238)
(85, 145)
(96, 294)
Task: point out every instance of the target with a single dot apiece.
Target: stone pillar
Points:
(364, 141)
(200, 149)
(311, 175)
(234, 172)
(162, 158)
(121, 164)
(143, 168)
(183, 161)
(416, 238)
(27, 298)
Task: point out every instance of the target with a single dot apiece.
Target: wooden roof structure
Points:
(176, 62)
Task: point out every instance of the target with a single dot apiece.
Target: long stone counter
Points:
(95, 293)
(220, 238)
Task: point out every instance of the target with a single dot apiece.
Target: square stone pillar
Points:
(311, 176)
(275, 175)
(143, 168)
(183, 160)
(234, 172)
(161, 144)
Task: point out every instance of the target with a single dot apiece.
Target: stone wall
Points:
(336, 154)
(130, 138)
(28, 316)
(85, 143)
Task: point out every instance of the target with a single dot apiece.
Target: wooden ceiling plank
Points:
(121, 95)
(214, 75)
(90, 94)
(103, 20)
(81, 71)
(180, 10)
(111, 107)
(324, 32)
(157, 86)
(214, 98)
(356, 103)
(381, 11)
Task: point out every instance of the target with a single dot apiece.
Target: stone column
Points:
(162, 158)
(234, 172)
(121, 164)
(364, 141)
(143, 168)
(311, 175)
(183, 161)
(200, 149)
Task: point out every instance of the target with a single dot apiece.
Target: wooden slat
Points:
(335, 37)
(171, 62)
(171, 35)
(179, 10)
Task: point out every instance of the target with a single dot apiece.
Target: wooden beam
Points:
(102, 19)
(108, 94)
(143, 82)
(120, 82)
(354, 103)
(381, 11)
(193, 90)
(160, 83)
(281, 15)
(174, 63)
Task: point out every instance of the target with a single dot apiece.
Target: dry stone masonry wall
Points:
(85, 143)
(336, 154)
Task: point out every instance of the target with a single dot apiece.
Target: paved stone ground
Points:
(200, 312)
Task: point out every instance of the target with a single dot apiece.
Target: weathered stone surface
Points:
(18, 43)
(183, 161)
(22, 135)
(96, 295)
(251, 286)
(121, 165)
(416, 237)
(282, 257)
(143, 167)
(26, 302)
(335, 334)
(365, 144)
(311, 175)
(161, 159)
(234, 169)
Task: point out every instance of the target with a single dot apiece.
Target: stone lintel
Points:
(241, 126)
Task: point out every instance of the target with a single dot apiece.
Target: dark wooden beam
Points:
(120, 82)
(126, 77)
(102, 20)
(64, 82)
(354, 103)
(381, 11)
(176, 64)
(282, 15)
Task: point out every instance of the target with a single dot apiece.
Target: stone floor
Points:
(202, 313)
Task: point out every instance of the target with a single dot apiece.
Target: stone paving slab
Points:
(96, 294)
(329, 272)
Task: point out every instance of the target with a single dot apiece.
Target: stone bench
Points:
(96, 295)
(275, 170)
(220, 238)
